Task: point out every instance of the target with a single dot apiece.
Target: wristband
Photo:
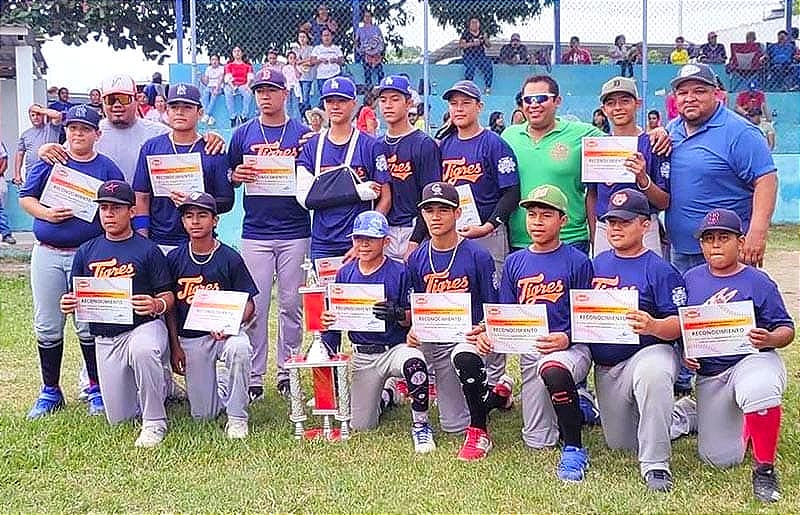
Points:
(647, 187)
(163, 310)
(140, 222)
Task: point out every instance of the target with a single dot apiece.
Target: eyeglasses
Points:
(541, 98)
(113, 98)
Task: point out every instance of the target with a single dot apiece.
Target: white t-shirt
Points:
(214, 76)
(123, 145)
(321, 52)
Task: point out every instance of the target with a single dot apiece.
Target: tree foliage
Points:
(491, 13)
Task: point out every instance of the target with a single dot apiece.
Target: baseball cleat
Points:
(150, 436)
(573, 464)
(95, 401)
(505, 389)
(175, 392)
(765, 484)
(236, 428)
(283, 389)
(658, 480)
(588, 406)
(422, 434)
(256, 393)
(50, 400)
(477, 445)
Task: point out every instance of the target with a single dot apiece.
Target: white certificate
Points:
(216, 311)
(441, 317)
(469, 210)
(103, 300)
(598, 316)
(514, 328)
(717, 329)
(603, 159)
(352, 304)
(70, 188)
(275, 176)
(175, 172)
(327, 268)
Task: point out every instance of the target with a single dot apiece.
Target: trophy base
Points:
(317, 433)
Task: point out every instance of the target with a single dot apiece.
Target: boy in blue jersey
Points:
(379, 356)
(157, 217)
(739, 397)
(544, 273)
(276, 229)
(206, 263)
(634, 382)
(129, 356)
(58, 234)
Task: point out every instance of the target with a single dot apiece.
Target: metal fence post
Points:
(193, 32)
(179, 29)
(645, 62)
(426, 86)
(557, 32)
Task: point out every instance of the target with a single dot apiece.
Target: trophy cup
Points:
(326, 382)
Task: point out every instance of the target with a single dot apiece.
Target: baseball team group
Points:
(504, 218)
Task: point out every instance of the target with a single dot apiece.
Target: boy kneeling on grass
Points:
(381, 356)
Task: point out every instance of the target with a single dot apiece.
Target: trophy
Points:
(329, 373)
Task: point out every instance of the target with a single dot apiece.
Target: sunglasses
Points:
(541, 98)
(113, 98)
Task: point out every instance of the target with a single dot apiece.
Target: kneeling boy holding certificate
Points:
(204, 263)
(634, 381)
(739, 395)
(379, 356)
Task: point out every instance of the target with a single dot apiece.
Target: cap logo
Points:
(689, 69)
(436, 189)
(194, 195)
(266, 74)
(112, 187)
(118, 81)
(389, 81)
(80, 111)
(334, 84)
(619, 198)
(540, 192)
(713, 217)
(181, 89)
(616, 83)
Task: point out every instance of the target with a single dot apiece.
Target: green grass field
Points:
(73, 463)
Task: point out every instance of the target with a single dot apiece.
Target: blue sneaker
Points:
(588, 407)
(50, 400)
(95, 401)
(573, 464)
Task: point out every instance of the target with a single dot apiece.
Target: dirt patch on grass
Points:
(784, 267)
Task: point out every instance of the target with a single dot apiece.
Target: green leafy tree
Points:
(491, 13)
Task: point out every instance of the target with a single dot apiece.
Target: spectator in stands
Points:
(671, 106)
(750, 37)
(52, 94)
(680, 54)
(317, 119)
(369, 49)
(238, 76)
(416, 116)
(366, 121)
(764, 126)
(474, 43)
(712, 52)
(496, 122)
(5, 230)
(635, 54)
(781, 56)
(600, 120)
(308, 71)
(619, 53)
(62, 104)
(722, 93)
(576, 53)
(328, 58)
(158, 113)
(752, 98)
(142, 106)
(514, 52)
(46, 128)
(291, 71)
(322, 21)
(211, 82)
(155, 88)
(653, 119)
(272, 63)
(96, 102)
(518, 115)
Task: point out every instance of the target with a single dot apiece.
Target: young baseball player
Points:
(413, 160)
(157, 217)
(739, 397)
(634, 382)
(379, 356)
(276, 229)
(544, 273)
(206, 263)
(129, 357)
(58, 235)
(447, 262)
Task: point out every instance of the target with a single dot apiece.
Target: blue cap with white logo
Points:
(627, 204)
(82, 114)
(720, 220)
(341, 87)
(370, 224)
(395, 83)
(184, 93)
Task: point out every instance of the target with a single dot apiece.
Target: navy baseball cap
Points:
(720, 219)
(267, 77)
(116, 192)
(695, 71)
(82, 114)
(465, 87)
(184, 93)
(199, 199)
(440, 193)
(627, 204)
(370, 224)
(394, 83)
(341, 87)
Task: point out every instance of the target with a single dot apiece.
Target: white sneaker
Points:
(422, 434)
(150, 436)
(236, 428)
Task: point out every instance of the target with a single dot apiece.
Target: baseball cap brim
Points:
(187, 204)
(261, 84)
(700, 231)
(113, 200)
(118, 91)
(677, 81)
(338, 94)
(184, 101)
(82, 122)
(452, 91)
(525, 204)
(609, 93)
(367, 234)
(438, 200)
(622, 214)
(381, 89)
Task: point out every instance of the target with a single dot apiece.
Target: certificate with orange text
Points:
(514, 328)
(66, 187)
(598, 316)
(469, 209)
(327, 268)
(603, 158)
(441, 317)
(103, 300)
(352, 304)
(182, 173)
(717, 329)
(216, 311)
(275, 176)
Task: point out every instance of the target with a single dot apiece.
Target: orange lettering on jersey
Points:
(723, 296)
(534, 288)
(609, 283)
(399, 170)
(454, 170)
(110, 268)
(273, 149)
(439, 282)
(190, 285)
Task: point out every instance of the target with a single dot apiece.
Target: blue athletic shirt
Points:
(270, 218)
(748, 284)
(661, 292)
(166, 227)
(137, 258)
(546, 278)
(72, 232)
(395, 280)
(485, 162)
(226, 271)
